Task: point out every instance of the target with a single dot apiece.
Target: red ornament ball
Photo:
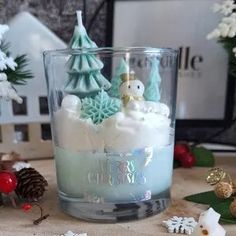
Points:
(179, 150)
(26, 207)
(8, 182)
(187, 160)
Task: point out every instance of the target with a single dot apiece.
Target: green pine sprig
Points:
(20, 75)
(229, 44)
(5, 47)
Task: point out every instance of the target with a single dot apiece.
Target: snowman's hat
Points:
(128, 76)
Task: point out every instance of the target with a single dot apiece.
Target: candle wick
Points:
(79, 18)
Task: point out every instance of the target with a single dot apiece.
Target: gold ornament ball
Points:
(233, 208)
(223, 190)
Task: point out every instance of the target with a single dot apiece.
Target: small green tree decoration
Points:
(152, 91)
(84, 70)
(116, 80)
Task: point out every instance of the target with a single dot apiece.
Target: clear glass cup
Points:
(113, 120)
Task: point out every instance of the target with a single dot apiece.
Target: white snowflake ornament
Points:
(180, 225)
(70, 233)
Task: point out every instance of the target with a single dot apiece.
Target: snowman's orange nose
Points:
(204, 232)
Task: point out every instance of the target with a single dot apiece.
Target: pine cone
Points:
(223, 190)
(31, 184)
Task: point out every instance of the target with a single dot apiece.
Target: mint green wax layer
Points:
(114, 178)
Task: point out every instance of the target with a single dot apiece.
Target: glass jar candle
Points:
(113, 119)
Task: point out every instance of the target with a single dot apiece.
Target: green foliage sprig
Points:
(229, 45)
(21, 74)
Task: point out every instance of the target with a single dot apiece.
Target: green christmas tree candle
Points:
(84, 70)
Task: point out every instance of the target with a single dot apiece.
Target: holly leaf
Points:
(228, 221)
(204, 157)
(206, 198)
(223, 208)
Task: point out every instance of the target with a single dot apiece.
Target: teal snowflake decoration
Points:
(100, 107)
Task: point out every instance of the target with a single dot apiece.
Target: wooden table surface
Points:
(185, 182)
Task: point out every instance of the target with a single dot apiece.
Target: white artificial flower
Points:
(234, 51)
(11, 63)
(6, 89)
(230, 21)
(223, 29)
(3, 77)
(3, 65)
(214, 34)
(6, 61)
(21, 165)
(226, 28)
(3, 30)
(226, 8)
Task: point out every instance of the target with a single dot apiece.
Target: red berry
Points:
(8, 182)
(179, 150)
(26, 207)
(187, 160)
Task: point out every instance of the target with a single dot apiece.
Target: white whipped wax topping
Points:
(149, 106)
(75, 133)
(141, 124)
(127, 131)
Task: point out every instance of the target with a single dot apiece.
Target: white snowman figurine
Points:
(131, 88)
(208, 224)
